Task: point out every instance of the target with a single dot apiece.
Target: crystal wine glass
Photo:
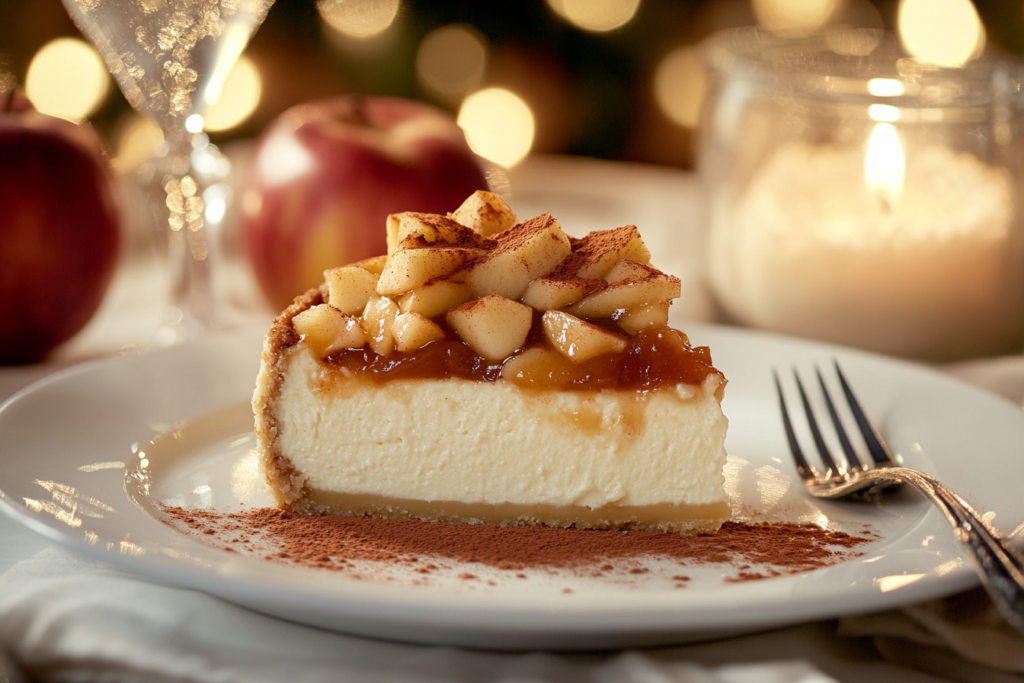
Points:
(171, 58)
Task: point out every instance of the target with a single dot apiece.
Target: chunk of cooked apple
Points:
(629, 293)
(596, 254)
(325, 330)
(412, 330)
(546, 293)
(537, 366)
(493, 326)
(435, 297)
(523, 253)
(633, 320)
(416, 229)
(378, 324)
(485, 213)
(349, 288)
(577, 339)
(374, 264)
(629, 270)
(410, 268)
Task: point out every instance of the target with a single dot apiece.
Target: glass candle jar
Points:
(860, 197)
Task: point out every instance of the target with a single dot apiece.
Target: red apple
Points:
(326, 175)
(59, 231)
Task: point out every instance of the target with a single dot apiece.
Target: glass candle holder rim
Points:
(809, 67)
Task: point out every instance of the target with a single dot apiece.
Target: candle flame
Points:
(884, 163)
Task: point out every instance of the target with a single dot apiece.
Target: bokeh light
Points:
(679, 86)
(358, 18)
(595, 15)
(239, 99)
(885, 87)
(883, 112)
(498, 124)
(794, 17)
(452, 60)
(194, 123)
(137, 142)
(941, 32)
(67, 78)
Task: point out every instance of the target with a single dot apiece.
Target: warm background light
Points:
(452, 60)
(883, 112)
(941, 32)
(884, 162)
(794, 17)
(610, 79)
(679, 85)
(595, 15)
(137, 142)
(67, 78)
(238, 100)
(885, 87)
(358, 18)
(498, 125)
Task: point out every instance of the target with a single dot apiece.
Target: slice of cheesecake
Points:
(493, 371)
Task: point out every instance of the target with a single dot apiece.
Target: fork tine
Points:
(826, 457)
(876, 446)
(853, 461)
(803, 469)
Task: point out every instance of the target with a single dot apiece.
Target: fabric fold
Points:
(68, 618)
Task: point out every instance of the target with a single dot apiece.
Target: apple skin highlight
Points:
(326, 175)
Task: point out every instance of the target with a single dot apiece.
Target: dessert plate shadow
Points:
(89, 456)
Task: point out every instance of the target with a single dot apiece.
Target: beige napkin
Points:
(962, 637)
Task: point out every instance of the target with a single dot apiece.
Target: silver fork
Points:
(1000, 565)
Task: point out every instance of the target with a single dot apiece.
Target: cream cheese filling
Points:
(465, 441)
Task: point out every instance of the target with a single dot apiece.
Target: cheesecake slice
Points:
(494, 371)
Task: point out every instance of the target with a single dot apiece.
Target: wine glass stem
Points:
(191, 309)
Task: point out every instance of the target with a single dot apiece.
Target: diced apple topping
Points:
(532, 365)
(488, 274)
(485, 213)
(378, 324)
(325, 330)
(577, 339)
(546, 293)
(349, 288)
(635, 319)
(523, 253)
(596, 254)
(493, 326)
(629, 270)
(412, 229)
(630, 293)
(412, 268)
(435, 297)
(412, 330)
(375, 264)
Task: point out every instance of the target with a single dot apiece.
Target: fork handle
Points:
(999, 564)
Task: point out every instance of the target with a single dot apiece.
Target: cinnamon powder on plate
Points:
(753, 550)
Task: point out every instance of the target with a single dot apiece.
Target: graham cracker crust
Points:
(688, 519)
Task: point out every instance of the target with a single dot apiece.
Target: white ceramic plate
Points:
(65, 445)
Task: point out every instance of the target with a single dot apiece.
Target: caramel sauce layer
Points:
(656, 356)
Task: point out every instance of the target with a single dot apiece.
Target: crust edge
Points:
(286, 483)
